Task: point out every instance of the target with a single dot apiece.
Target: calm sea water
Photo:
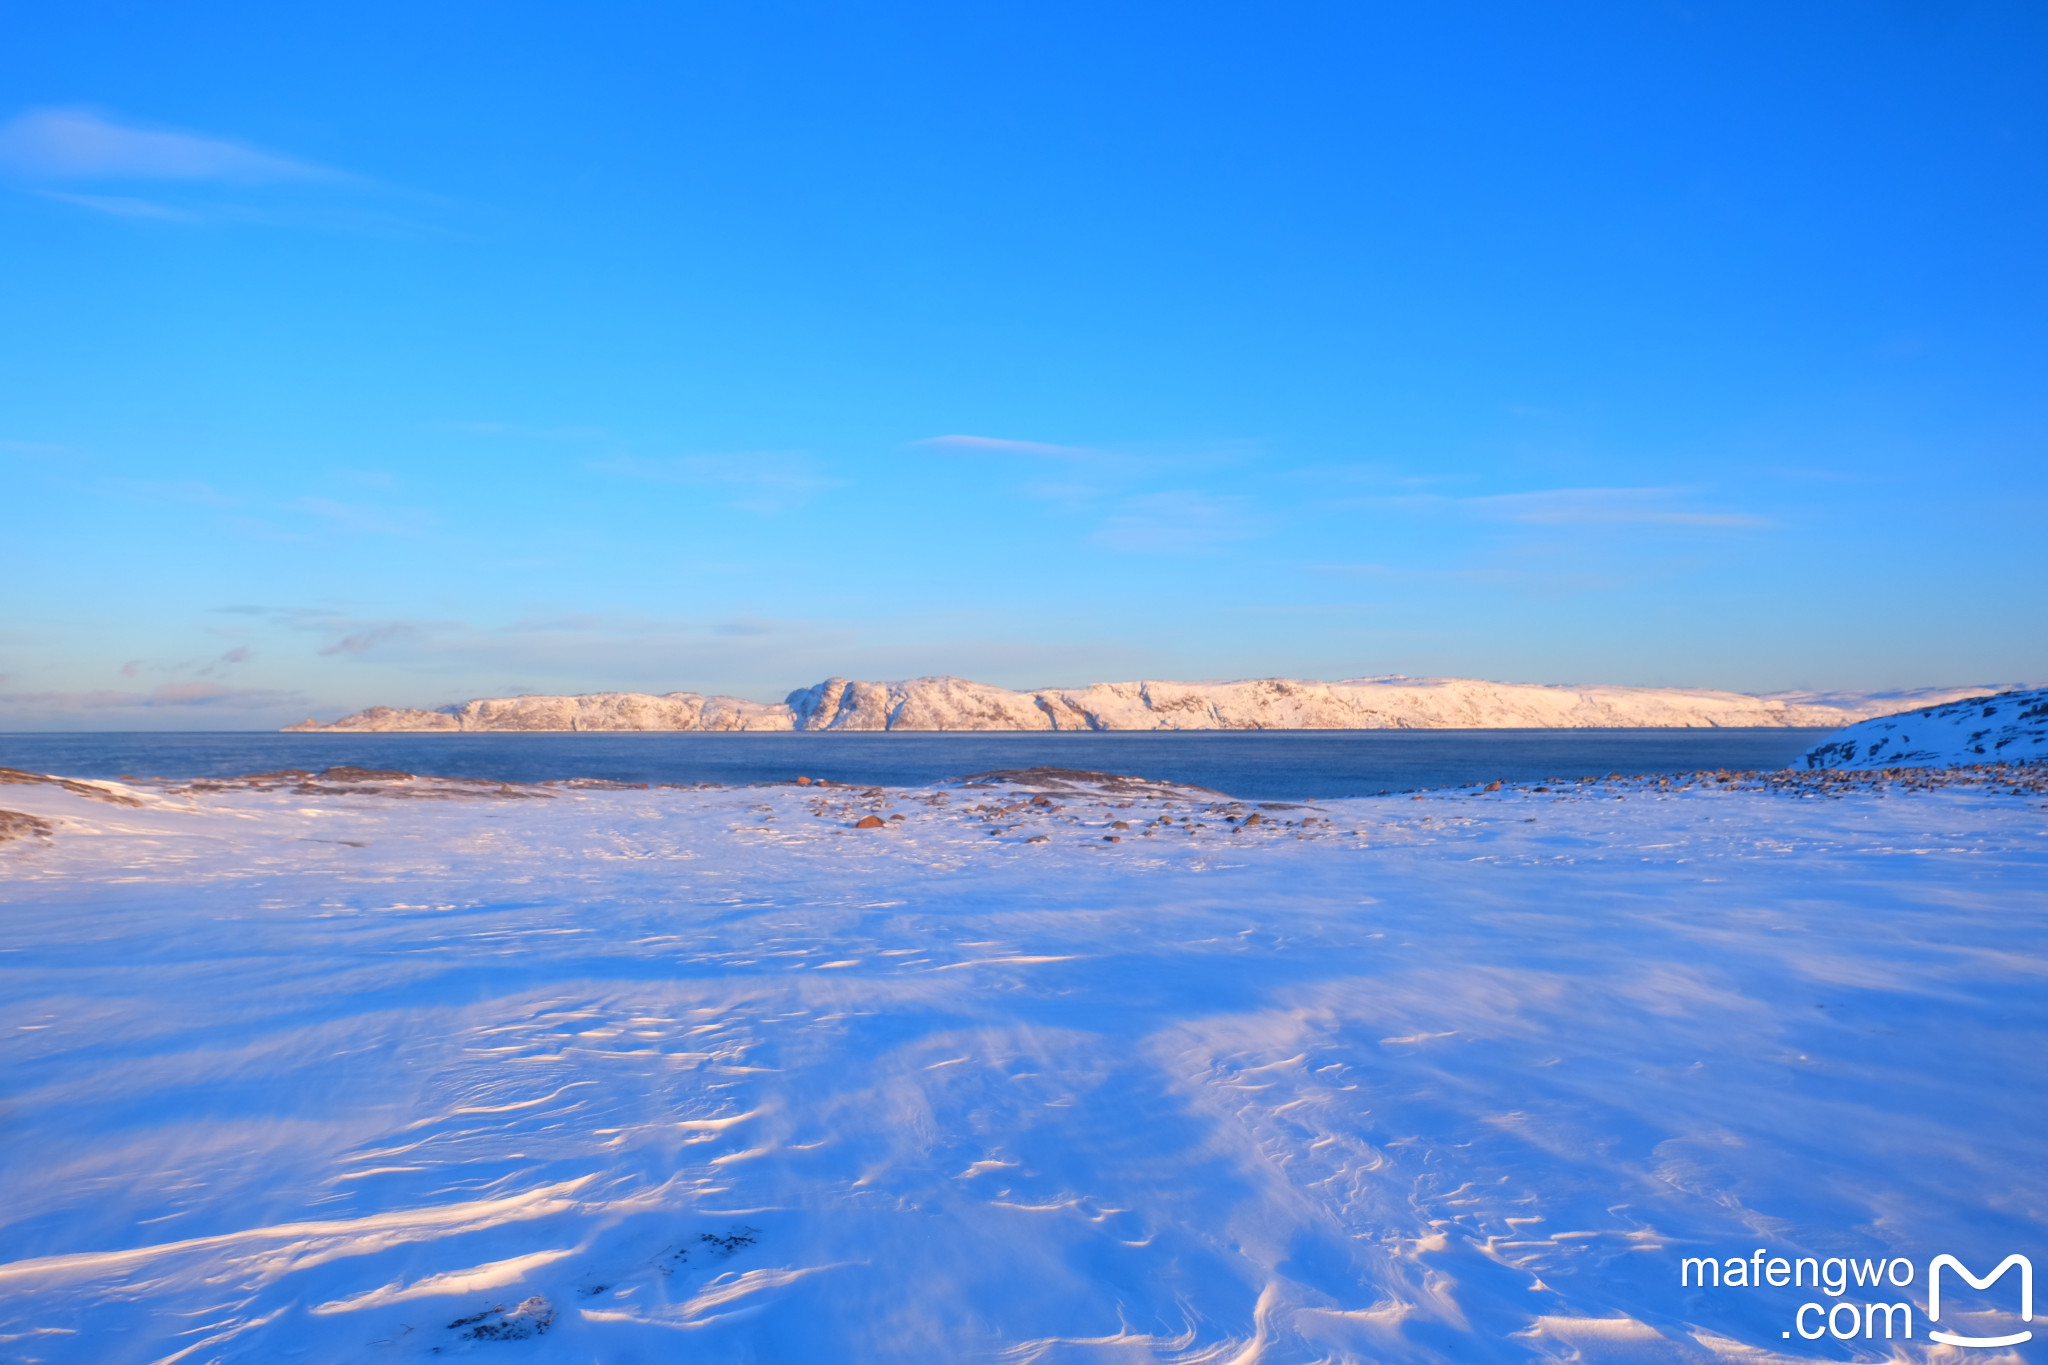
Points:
(1267, 765)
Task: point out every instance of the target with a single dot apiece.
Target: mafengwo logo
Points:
(1847, 1319)
(2026, 1269)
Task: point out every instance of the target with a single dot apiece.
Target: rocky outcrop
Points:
(2006, 727)
(388, 718)
(620, 711)
(945, 703)
(940, 703)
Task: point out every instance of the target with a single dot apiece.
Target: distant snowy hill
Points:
(944, 703)
(2006, 728)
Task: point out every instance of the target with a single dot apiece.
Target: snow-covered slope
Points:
(358, 1072)
(591, 711)
(944, 703)
(2010, 727)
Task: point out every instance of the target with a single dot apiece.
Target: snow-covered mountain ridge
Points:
(946, 703)
(2010, 727)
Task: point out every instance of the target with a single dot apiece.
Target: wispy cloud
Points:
(1179, 522)
(1475, 576)
(187, 491)
(1068, 494)
(204, 668)
(122, 206)
(92, 160)
(186, 695)
(573, 651)
(762, 482)
(996, 445)
(384, 521)
(363, 641)
(1575, 507)
(747, 625)
(346, 634)
(1606, 507)
(83, 144)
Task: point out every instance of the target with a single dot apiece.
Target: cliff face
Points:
(617, 711)
(919, 704)
(943, 703)
(2009, 727)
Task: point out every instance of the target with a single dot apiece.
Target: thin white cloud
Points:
(1179, 522)
(188, 491)
(1476, 576)
(1574, 507)
(762, 482)
(363, 641)
(82, 144)
(173, 695)
(1605, 507)
(1073, 496)
(996, 445)
(121, 206)
(383, 521)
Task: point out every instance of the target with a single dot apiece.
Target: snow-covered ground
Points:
(945, 703)
(2011, 727)
(357, 1071)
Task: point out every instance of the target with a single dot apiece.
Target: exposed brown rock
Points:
(16, 824)
(90, 790)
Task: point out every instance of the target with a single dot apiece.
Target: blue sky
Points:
(404, 354)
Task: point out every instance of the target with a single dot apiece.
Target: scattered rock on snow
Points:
(531, 1318)
(92, 790)
(16, 825)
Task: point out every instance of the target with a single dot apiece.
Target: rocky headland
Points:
(2007, 727)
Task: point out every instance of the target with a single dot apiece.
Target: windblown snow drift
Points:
(362, 1068)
